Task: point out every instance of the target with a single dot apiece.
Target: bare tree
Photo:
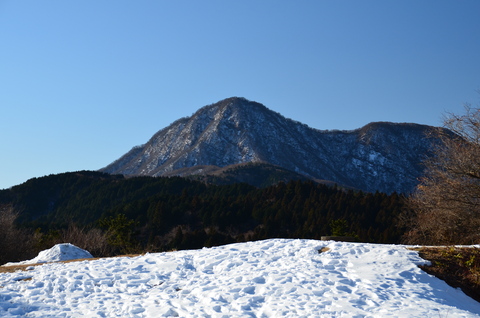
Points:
(446, 203)
(92, 240)
(15, 243)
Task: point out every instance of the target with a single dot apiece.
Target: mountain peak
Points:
(235, 104)
(234, 100)
(379, 156)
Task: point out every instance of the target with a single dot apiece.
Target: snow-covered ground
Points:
(271, 278)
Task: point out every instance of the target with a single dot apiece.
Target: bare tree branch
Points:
(446, 203)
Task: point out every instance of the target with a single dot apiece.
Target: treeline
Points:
(157, 214)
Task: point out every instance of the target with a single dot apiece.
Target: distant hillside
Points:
(175, 212)
(380, 156)
(256, 174)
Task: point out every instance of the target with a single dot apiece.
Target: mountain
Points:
(380, 156)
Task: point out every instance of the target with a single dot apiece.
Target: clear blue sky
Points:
(82, 82)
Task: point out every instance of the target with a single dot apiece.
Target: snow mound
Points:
(60, 252)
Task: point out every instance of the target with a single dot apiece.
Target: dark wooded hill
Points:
(174, 212)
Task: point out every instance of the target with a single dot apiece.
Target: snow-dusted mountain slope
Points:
(271, 278)
(380, 156)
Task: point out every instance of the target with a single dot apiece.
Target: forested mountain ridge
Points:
(164, 213)
(379, 156)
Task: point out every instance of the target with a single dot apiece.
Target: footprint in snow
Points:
(259, 280)
(344, 288)
(249, 290)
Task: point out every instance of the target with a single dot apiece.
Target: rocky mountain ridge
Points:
(379, 156)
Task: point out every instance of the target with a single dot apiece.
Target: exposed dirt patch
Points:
(324, 249)
(14, 268)
(459, 267)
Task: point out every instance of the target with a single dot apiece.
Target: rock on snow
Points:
(271, 278)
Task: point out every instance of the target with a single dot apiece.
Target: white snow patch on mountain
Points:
(270, 278)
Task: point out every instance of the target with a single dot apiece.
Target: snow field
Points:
(271, 278)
